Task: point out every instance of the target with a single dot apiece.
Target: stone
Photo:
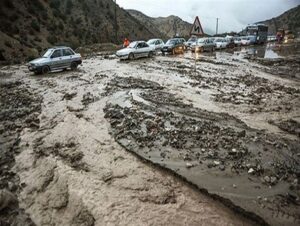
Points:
(222, 167)
(189, 165)
(267, 179)
(273, 180)
(251, 170)
(216, 163)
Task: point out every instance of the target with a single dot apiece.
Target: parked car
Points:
(183, 41)
(245, 41)
(173, 46)
(191, 41)
(230, 43)
(203, 44)
(237, 41)
(158, 44)
(220, 43)
(56, 58)
(136, 50)
(271, 38)
(253, 39)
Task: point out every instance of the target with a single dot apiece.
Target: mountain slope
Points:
(165, 27)
(290, 20)
(29, 26)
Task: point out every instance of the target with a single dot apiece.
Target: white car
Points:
(237, 41)
(221, 43)
(136, 50)
(158, 44)
(245, 41)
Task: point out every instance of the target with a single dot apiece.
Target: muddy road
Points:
(186, 140)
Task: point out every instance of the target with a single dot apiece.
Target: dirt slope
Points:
(290, 20)
(29, 26)
(167, 26)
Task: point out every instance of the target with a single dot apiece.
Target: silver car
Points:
(203, 44)
(136, 50)
(55, 58)
(158, 44)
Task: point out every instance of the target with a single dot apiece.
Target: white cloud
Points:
(234, 14)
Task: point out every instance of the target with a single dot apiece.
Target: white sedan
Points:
(158, 44)
(245, 41)
(137, 49)
(221, 43)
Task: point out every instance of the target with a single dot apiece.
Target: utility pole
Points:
(217, 26)
(116, 23)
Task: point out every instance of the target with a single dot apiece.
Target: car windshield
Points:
(47, 53)
(193, 39)
(132, 45)
(219, 40)
(201, 40)
(171, 41)
(151, 42)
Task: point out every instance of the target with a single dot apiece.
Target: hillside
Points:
(29, 26)
(165, 27)
(290, 20)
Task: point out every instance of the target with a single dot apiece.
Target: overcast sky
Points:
(234, 14)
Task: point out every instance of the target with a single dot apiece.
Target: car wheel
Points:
(74, 66)
(131, 56)
(45, 70)
(150, 54)
(201, 49)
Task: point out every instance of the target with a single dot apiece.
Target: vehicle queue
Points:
(179, 45)
(61, 57)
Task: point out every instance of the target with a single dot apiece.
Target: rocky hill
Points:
(29, 26)
(165, 27)
(290, 20)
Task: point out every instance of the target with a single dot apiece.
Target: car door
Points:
(146, 49)
(158, 45)
(139, 50)
(56, 59)
(67, 57)
(161, 44)
(206, 44)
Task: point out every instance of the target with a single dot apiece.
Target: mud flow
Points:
(191, 139)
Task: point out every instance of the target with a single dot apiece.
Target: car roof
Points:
(138, 41)
(60, 47)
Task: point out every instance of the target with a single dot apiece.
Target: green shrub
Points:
(55, 4)
(61, 26)
(35, 25)
(8, 44)
(9, 4)
(69, 6)
(52, 39)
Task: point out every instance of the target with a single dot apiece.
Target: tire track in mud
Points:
(214, 151)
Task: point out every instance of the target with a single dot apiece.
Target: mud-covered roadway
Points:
(175, 140)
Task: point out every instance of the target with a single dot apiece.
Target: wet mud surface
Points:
(213, 130)
(214, 151)
(19, 109)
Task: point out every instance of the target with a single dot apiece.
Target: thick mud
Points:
(19, 109)
(206, 139)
